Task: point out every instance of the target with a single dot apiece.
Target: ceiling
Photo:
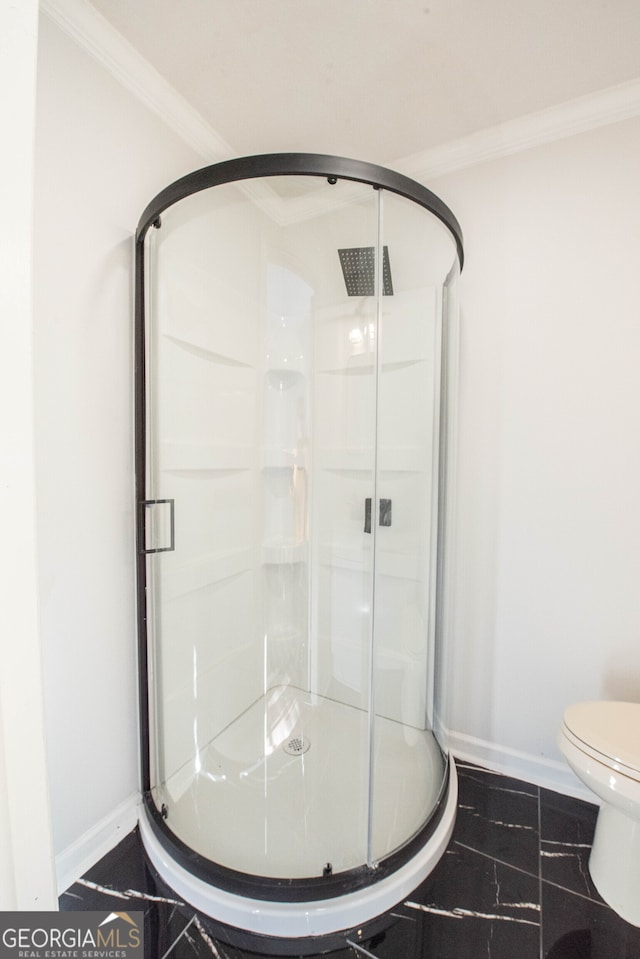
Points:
(377, 80)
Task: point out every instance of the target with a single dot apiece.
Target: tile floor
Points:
(513, 884)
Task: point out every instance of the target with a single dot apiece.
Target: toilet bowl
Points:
(601, 743)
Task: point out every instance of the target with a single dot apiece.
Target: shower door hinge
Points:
(385, 513)
(157, 526)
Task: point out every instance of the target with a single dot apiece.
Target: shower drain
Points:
(296, 746)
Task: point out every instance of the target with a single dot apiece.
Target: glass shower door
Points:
(408, 769)
(261, 428)
(202, 401)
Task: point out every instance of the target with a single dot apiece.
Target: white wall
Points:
(26, 874)
(547, 558)
(100, 157)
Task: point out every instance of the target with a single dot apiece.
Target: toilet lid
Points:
(611, 729)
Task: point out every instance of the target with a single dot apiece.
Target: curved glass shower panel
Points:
(443, 602)
(293, 314)
(201, 432)
(261, 399)
(408, 774)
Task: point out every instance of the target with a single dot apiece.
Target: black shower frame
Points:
(333, 168)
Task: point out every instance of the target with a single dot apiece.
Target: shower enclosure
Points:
(292, 322)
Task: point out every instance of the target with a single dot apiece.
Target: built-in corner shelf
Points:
(277, 458)
(363, 365)
(284, 554)
(401, 459)
(358, 560)
(284, 377)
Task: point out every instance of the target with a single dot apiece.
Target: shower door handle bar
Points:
(384, 518)
(152, 527)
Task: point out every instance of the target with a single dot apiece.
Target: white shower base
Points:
(246, 803)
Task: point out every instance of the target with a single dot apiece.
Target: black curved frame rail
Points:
(229, 171)
(299, 164)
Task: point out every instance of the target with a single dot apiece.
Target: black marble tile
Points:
(498, 816)
(125, 867)
(482, 900)
(472, 906)
(489, 777)
(567, 826)
(400, 940)
(124, 880)
(576, 927)
(196, 942)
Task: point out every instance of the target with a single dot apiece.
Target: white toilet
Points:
(601, 743)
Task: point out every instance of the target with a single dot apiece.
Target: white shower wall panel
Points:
(214, 664)
(406, 404)
(345, 334)
(202, 528)
(208, 400)
(285, 416)
(212, 299)
(208, 313)
(209, 628)
(408, 324)
(401, 649)
(403, 542)
(210, 660)
(345, 405)
(343, 638)
(284, 510)
(340, 502)
(284, 617)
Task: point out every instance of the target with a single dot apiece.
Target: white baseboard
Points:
(96, 842)
(548, 773)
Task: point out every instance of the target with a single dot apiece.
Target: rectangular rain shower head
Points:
(358, 269)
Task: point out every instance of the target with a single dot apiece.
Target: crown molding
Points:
(94, 33)
(580, 115)
(91, 31)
